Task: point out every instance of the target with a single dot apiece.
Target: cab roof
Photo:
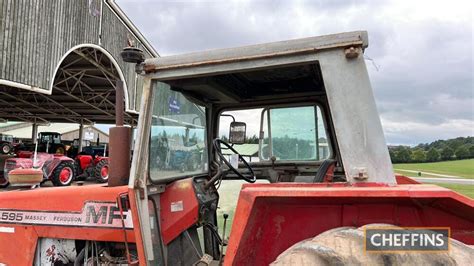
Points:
(260, 55)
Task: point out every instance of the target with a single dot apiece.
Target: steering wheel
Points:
(247, 177)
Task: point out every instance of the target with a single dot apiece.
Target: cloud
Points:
(403, 132)
(423, 49)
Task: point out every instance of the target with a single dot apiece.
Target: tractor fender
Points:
(16, 163)
(53, 162)
(97, 159)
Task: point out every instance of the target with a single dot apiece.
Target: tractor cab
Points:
(302, 109)
(49, 137)
(6, 143)
(50, 142)
(299, 115)
(6, 138)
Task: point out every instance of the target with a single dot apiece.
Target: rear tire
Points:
(345, 246)
(101, 171)
(64, 174)
(4, 182)
(6, 148)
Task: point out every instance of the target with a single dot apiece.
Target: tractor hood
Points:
(75, 206)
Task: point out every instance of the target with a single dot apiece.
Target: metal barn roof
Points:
(63, 67)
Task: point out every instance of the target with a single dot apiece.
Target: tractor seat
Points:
(319, 177)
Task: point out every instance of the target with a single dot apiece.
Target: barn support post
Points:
(119, 143)
(81, 136)
(133, 126)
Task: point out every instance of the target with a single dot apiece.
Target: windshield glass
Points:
(178, 134)
(51, 138)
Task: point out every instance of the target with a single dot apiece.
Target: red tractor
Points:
(91, 162)
(58, 168)
(315, 197)
(92, 166)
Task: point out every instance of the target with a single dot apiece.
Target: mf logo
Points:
(103, 214)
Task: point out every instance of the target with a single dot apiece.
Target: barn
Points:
(60, 62)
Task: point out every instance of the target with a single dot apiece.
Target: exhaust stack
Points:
(119, 143)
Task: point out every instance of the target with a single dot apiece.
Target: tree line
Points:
(440, 150)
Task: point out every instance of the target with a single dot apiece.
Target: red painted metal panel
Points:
(405, 180)
(84, 160)
(17, 245)
(179, 209)
(137, 229)
(18, 248)
(58, 198)
(271, 217)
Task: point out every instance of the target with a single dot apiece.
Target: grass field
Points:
(466, 190)
(460, 168)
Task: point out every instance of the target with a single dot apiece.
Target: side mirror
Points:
(237, 132)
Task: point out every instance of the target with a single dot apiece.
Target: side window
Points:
(57, 139)
(293, 134)
(178, 133)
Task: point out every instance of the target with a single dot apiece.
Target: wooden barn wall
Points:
(115, 37)
(36, 34)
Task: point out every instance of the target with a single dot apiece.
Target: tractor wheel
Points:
(101, 171)
(345, 246)
(63, 175)
(4, 182)
(6, 148)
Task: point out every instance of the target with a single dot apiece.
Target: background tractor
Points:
(49, 142)
(58, 168)
(92, 161)
(6, 143)
(88, 165)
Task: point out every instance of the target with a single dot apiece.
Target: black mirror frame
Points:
(233, 139)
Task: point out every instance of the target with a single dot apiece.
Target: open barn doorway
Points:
(82, 92)
(86, 78)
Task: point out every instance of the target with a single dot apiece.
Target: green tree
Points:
(447, 153)
(471, 151)
(432, 155)
(252, 140)
(418, 155)
(462, 152)
(404, 155)
(224, 138)
(393, 156)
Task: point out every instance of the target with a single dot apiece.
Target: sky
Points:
(420, 54)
